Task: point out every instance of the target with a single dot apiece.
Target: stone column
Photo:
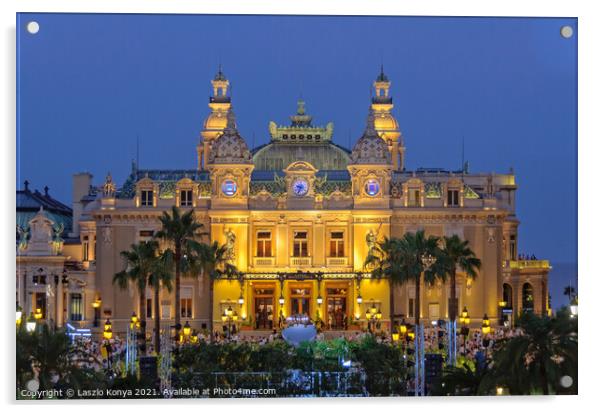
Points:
(58, 298)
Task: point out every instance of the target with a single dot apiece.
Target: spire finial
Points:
(300, 106)
(46, 189)
(26, 183)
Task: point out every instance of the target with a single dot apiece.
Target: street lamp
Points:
(427, 260)
(373, 314)
(241, 300)
(464, 322)
(281, 300)
(30, 325)
(108, 331)
(319, 300)
(486, 326)
(19, 314)
(574, 307)
(359, 299)
(133, 321)
(228, 317)
(186, 329)
(38, 314)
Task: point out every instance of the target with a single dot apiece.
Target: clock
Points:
(372, 187)
(229, 187)
(300, 187)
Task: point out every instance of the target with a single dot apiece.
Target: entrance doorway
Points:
(336, 308)
(300, 301)
(264, 308)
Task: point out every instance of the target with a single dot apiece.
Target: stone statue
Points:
(57, 241)
(106, 235)
(329, 129)
(23, 237)
(273, 128)
(370, 241)
(230, 241)
(108, 189)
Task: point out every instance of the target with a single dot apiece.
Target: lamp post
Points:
(38, 314)
(373, 315)
(108, 330)
(19, 315)
(96, 305)
(465, 322)
(228, 317)
(30, 324)
(574, 307)
(186, 330)
(486, 330)
(133, 321)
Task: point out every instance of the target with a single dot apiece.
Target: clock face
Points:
(300, 187)
(229, 187)
(372, 187)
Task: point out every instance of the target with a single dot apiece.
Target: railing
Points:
(300, 261)
(520, 264)
(263, 261)
(293, 383)
(336, 261)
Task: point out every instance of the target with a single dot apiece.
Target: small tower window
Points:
(186, 197)
(414, 198)
(146, 197)
(453, 198)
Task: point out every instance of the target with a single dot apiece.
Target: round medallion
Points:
(300, 187)
(372, 187)
(229, 187)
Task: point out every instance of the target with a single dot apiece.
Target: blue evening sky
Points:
(89, 84)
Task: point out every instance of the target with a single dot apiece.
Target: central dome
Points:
(301, 141)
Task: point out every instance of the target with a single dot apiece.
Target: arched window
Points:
(528, 300)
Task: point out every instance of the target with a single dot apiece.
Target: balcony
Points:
(264, 261)
(300, 261)
(336, 261)
(520, 264)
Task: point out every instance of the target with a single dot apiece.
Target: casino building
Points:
(298, 215)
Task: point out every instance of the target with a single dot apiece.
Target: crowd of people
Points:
(109, 355)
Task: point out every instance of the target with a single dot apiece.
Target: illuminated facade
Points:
(300, 215)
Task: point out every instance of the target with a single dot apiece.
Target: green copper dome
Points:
(323, 156)
(301, 141)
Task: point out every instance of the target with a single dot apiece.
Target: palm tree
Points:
(403, 260)
(465, 380)
(385, 262)
(455, 254)
(140, 265)
(160, 278)
(544, 351)
(210, 260)
(569, 291)
(179, 231)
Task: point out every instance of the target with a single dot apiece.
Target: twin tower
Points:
(384, 123)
